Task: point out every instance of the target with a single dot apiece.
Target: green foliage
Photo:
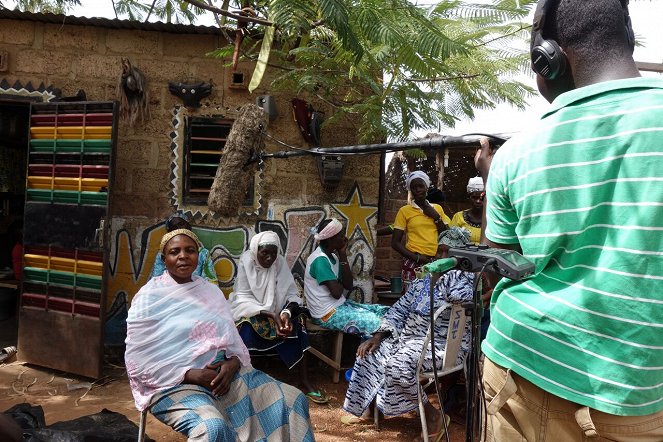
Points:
(391, 66)
(417, 69)
(43, 6)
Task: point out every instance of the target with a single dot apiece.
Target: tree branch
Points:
(457, 77)
(150, 11)
(522, 28)
(245, 18)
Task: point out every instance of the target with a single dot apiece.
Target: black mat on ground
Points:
(105, 426)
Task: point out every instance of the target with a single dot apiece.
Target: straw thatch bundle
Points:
(245, 143)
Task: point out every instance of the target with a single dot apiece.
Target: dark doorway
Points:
(14, 139)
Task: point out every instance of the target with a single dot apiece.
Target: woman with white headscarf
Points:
(328, 277)
(470, 219)
(422, 222)
(266, 306)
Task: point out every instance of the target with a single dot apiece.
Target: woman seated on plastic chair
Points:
(385, 369)
(188, 365)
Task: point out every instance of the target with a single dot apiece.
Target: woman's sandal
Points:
(437, 437)
(354, 420)
(7, 353)
(317, 397)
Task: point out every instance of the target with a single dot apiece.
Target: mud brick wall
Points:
(73, 57)
(87, 55)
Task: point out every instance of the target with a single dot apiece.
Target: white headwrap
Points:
(257, 288)
(330, 230)
(417, 174)
(267, 238)
(475, 184)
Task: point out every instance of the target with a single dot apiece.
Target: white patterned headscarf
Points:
(475, 185)
(330, 230)
(417, 174)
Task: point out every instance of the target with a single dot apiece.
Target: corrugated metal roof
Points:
(110, 23)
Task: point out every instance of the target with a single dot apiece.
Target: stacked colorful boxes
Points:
(69, 139)
(62, 280)
(66, 197)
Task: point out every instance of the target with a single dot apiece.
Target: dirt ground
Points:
(65, 397)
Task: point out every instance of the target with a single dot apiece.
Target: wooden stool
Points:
(337, 347)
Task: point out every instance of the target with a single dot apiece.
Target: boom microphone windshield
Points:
(442, 142)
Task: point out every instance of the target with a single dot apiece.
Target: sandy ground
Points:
(65, 397)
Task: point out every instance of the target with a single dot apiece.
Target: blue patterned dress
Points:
(388, 374)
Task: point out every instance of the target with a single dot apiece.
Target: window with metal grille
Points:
(204, 143)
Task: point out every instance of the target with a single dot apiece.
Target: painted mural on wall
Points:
(131, 264)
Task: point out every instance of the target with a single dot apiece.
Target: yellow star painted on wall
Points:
(357, 214)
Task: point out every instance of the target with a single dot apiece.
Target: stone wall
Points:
(88, 57)
(72, 57)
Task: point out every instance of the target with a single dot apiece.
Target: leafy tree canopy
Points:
(394, 67)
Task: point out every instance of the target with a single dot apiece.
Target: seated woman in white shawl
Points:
(188, 365)
(266, 307)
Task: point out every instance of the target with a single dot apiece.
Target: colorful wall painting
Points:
(131, 264)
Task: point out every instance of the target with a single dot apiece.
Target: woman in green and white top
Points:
(328, 277)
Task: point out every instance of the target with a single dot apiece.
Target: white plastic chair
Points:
(455, 332)
(142, 424)
(454, 338)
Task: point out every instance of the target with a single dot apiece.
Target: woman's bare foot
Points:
(434, 423)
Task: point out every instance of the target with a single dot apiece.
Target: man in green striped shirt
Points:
(576, 351)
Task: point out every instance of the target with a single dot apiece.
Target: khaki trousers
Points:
(517, 410)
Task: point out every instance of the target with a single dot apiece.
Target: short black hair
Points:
(592, 28)
(177, 222)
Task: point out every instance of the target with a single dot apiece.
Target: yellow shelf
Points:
(63, 264)
(71, 132)
(61, 183)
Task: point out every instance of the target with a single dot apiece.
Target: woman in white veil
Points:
(266, 307)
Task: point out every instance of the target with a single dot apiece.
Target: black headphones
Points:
(548, 59)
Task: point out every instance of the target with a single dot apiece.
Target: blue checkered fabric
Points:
(354, 318)
(257, 408)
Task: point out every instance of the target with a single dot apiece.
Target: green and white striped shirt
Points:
(582, 193)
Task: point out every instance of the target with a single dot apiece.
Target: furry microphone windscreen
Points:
(237, 166)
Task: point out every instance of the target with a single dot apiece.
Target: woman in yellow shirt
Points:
(470, 219)
(422, 222)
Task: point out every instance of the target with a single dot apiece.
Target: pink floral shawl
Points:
(172, 328)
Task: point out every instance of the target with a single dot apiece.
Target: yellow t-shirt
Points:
(459, 220)
(420, 229)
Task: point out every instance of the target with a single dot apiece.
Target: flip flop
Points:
(354, 420)
(437, 437)
(7, 353)
(317, 397)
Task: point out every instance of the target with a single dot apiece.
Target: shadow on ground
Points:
(65, 397)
